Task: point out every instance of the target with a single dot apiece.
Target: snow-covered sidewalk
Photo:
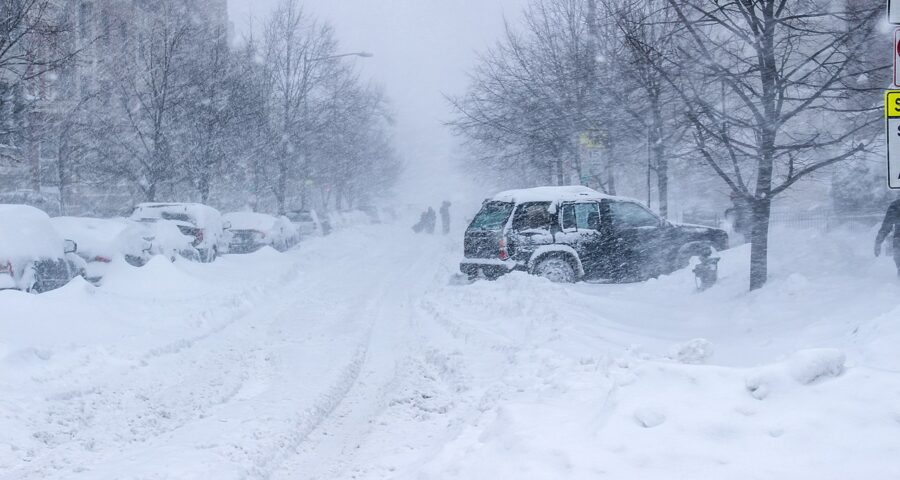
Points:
(355, 357)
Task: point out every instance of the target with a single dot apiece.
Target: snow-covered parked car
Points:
(33, 256)
(100, 240)
(568, 233)
(250, 231)
(307, 222)
(201, 222)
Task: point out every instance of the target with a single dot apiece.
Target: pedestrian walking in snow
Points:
(891, 222)
(423, 221)
(430, 220)
(445, 217)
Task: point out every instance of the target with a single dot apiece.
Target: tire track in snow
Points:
(130, 405)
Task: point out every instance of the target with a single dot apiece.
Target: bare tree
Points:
(149, 82)
(532, 96)
(298, 55)
(644, 31)
(789, 70)
(33, 36)
(212, 109)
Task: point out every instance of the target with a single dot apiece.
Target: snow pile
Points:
(316, 364)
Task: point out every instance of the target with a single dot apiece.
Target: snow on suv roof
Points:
(550, 194)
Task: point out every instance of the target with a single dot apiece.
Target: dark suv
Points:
(569, 233)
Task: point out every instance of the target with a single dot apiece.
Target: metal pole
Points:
(649, 168)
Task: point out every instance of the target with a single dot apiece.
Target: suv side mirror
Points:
(70, 246)
(226, 225)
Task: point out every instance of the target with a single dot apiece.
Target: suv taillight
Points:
(504, 253)
(199, 236)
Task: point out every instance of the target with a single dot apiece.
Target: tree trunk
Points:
(610, 169)
(662, 185)
(204, 190)
(560, 180)
(280, 189)
(579, 169)
(659, 159)
(759, 243)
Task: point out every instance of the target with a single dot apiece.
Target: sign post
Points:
(892, 114)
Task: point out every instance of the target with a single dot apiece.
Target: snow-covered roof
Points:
(26, 233)
(570, 193)
(200, 214)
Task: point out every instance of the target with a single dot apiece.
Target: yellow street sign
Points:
(892, 103)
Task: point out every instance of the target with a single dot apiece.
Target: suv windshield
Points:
(492, 216)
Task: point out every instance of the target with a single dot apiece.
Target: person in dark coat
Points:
(891, 222)
(445, 217)
(739, 215)
(423, 220)
(430, 220)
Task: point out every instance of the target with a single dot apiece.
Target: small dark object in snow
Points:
(707, 272)
(445, 217)
(426, 222)
(891, 223)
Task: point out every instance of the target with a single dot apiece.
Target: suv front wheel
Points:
(555, 269)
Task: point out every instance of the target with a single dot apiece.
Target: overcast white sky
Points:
(422, 48)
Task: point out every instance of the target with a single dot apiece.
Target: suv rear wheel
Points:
(556, 269)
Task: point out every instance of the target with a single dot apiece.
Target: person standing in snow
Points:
(445, 217)
(891, 222)
(423, 220)
(430, 220)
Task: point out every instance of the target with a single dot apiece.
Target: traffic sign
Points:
(892, 115)
(894, 12)
(896, 48)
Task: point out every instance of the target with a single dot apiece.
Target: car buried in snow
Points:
(33, 257)
(250, 231)
(100, 240)
(571, 233)
(203, 224)
(307, 222)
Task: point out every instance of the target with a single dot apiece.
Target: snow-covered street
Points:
(355, 356)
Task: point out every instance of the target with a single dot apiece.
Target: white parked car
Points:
(33, 256)
(308, 222)
(201, 222)
(250, 231)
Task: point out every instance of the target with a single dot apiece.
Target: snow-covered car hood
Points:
(103, 237)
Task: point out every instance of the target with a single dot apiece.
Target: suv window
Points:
(582, 216)
(178, 217)
(492, 216)
(532, 216)
(631, 215)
